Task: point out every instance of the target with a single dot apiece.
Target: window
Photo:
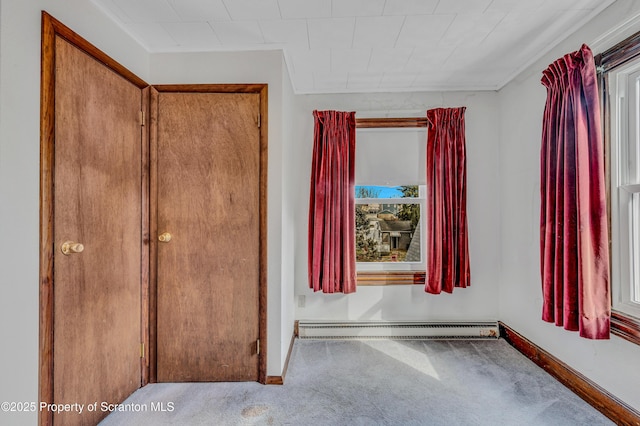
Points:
(390, 205)
(625, 187)
(619, 69)
(389, 227)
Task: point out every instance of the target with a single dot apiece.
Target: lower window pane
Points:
(388, 233)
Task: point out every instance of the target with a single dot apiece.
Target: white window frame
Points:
(624, 82)
(398, 266)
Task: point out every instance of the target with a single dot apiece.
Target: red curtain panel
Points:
(574, 248)
(447, 239)
(332, 262)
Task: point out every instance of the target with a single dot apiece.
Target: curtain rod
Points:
(372, 123)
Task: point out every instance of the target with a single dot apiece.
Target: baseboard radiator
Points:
(397, 330)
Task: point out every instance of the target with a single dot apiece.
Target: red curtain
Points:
(332, 254)
(447, 239)
(574, 248)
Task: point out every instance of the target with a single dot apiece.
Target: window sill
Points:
(625, 326)
(391, 278)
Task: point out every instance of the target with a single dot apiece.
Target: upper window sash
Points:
(623, 109)
(625, 313)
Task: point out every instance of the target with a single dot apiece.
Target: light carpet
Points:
(376, 382)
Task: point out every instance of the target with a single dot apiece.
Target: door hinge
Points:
(142, 118)
(258, 121)
(258, 347)
(142, 350)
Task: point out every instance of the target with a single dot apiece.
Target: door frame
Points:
(51, 29)
(261, 90)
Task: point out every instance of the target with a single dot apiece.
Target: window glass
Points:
(390, 199)
(388, 227)
(625, 187)
(374, 191)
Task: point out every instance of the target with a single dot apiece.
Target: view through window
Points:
(388, 225)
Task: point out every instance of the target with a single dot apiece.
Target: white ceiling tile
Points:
(487, 77)
(330, 82)
(154, 36)
(196, 35)
(200, 10)
(441, 80)
(289, 32)
(462, 6)
(519, 29)
(471, 28)
(354, 60)
(390, 45)
(423, 30)
(364, 81)
(410, 7)
(345, 8)
(430, 79)
(397, 80)
(147, 10)
(336, 32)
(238, 33)
(571, 4)
(252, 9)
(428, 58)
(305, 8)
(307, 61)
(112, 10)
(465, 57)
(386, 60)
(514, 5)
(380, 31)
(302, 82)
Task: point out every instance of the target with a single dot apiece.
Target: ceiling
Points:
(341, 46)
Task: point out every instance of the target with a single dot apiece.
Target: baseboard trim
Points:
(279, 380)
(592, 393)
(396, 330)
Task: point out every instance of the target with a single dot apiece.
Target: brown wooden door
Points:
(96, 202)
(208, 199)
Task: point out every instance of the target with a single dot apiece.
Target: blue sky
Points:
(384, 191)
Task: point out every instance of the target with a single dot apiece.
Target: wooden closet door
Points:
(97, 203)
(208, 200)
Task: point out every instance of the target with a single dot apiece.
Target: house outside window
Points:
(389, 225)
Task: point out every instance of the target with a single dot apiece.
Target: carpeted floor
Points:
(376, 382)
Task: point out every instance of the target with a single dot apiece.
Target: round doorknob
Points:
(165, 237)
(69, 247)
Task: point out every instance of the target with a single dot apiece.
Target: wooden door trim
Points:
(153, 230)
(216, 88)
(260, 89)
(51, 28)
(145, 237)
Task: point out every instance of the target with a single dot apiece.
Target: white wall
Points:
(19, 176)
(478, 302)
(612, 364)
(289, 186)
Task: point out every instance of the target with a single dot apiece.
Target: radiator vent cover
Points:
(397, 330)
